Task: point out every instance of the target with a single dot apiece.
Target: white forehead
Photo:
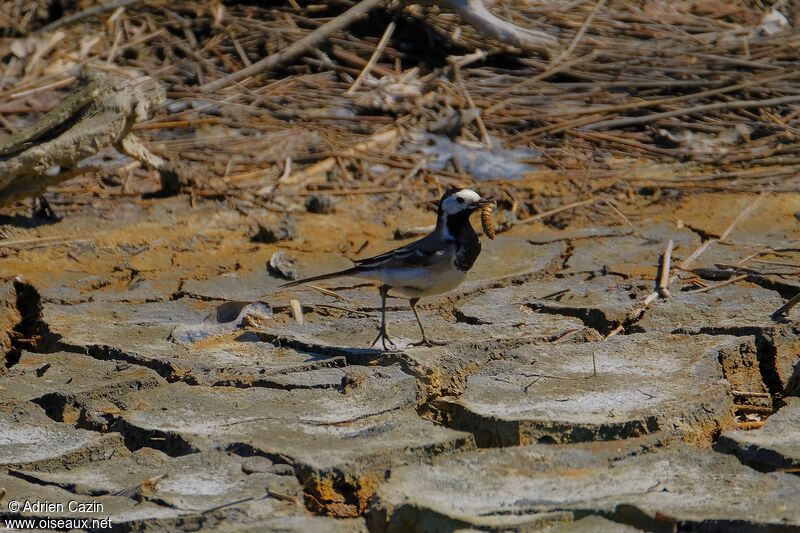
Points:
(468, 195)
(457, 202)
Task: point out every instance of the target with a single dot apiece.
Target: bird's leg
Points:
(425, 340)
(383, 335)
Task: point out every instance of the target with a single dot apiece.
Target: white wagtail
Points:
(435, 264)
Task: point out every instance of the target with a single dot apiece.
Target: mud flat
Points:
(173, 384)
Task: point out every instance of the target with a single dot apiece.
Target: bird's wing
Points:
(423, 252)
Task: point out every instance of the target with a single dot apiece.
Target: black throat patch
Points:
(468, 245)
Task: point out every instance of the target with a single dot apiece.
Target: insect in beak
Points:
(487, 206)
(483, 202)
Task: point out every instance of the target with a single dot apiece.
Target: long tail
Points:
(332, 275)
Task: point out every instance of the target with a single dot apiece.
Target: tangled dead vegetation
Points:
(619, 99)
(98, 113)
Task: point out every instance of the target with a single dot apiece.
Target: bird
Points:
(434, 264)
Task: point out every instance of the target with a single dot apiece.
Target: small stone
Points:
(320, 204)
(281, 266)
(272, 233)
(351, 380)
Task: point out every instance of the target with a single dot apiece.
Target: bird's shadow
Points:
(318, 351)
(27, 222)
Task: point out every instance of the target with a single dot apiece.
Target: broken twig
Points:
(387, 34)
(557, 210)
(728, 281)
(785, 308)
(99, 112)
(663, 281)
(296, 49)
(475, 13)
(297, 311)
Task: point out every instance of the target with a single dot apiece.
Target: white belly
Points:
(416, 282)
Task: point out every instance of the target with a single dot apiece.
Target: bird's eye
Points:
(460, 200)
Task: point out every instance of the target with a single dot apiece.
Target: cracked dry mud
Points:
(151, 365)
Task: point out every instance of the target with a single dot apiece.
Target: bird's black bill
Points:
(482, 202)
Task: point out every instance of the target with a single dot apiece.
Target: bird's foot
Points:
(428, 342)
(384, 338)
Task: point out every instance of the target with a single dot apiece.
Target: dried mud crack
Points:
(140, 387)
(623, 356)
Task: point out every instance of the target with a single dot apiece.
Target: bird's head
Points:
(457, 201)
